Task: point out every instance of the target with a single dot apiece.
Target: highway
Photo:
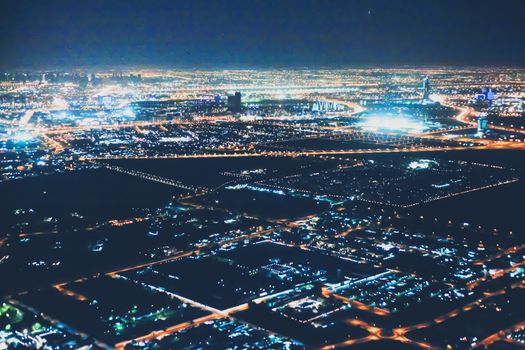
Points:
(158, 334)
(156, 178)
(466, 115)
(501, 336)
(355, 303)
(400, 334)
(492, 146)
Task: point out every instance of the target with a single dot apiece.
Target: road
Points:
(156, 178)
(491, 146)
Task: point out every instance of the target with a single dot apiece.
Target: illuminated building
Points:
(486, 96)
(325, 106)
(488, 93)
(483, 125)
(426, 88)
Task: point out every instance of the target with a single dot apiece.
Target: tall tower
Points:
(426, 88)
(234, 102)
(483, 125)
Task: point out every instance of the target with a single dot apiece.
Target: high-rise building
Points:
(483, 125)
(93, 79)
(234, 102)
(426, 88)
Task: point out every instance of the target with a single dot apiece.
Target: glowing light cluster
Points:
(23, 136)
(391, 123)
(422, 164)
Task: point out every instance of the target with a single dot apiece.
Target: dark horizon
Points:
(262, 34)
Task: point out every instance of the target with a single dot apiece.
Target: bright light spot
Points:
(176, 139)
(421, 164)
(391, 123)
(59, 104)
(23, 136)
(437, 98)
(386, 246)
(128, 112)
(61, 115)
(110, 90)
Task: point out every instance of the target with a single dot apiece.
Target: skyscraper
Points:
(426, 88)
(234, 102)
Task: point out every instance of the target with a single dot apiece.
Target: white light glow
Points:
(128, 113)
(23, 136)
(391, 123)
(421, 164)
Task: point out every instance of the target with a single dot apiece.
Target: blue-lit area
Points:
(422, 164)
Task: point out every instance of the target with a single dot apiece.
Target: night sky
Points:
(260, 33)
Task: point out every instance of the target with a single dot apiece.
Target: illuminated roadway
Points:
(156, 178)
(494, 145)
(400, 334)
